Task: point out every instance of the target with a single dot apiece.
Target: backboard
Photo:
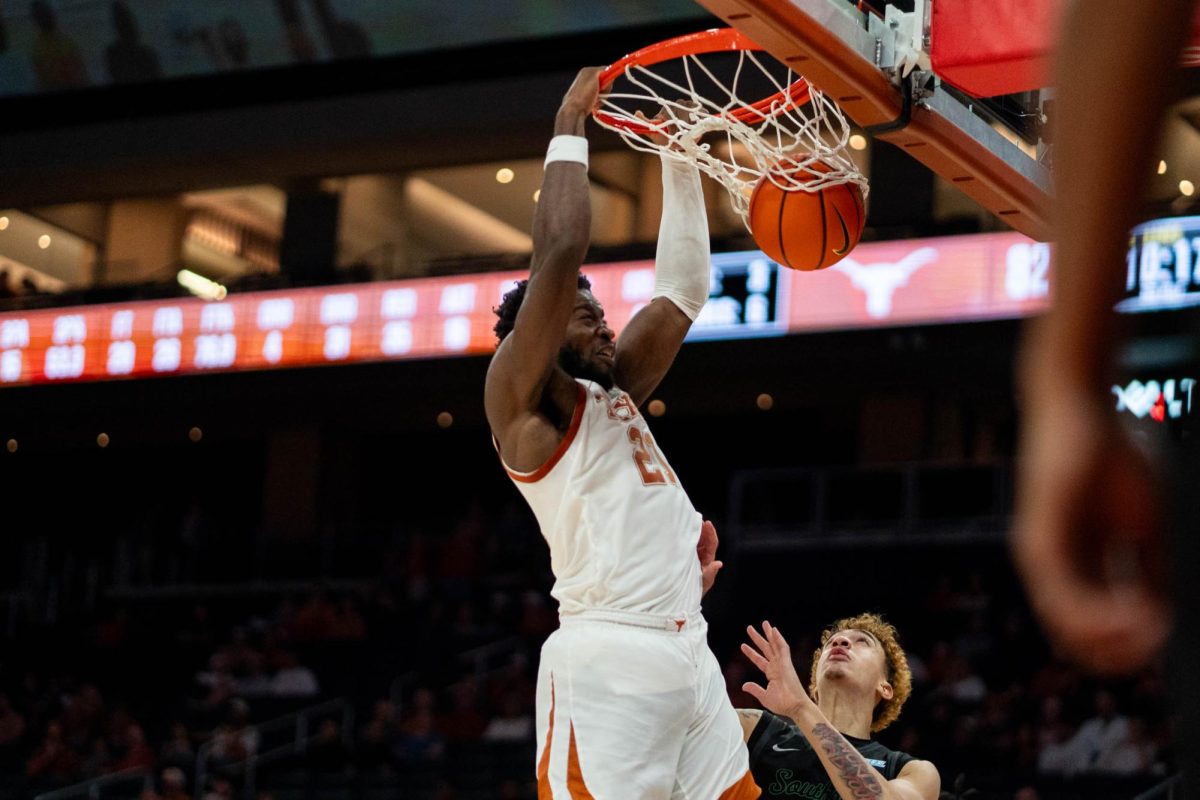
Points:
(878, 68)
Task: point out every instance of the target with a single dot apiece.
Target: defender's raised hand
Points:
(784, 694)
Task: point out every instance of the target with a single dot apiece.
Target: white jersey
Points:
(622, 531)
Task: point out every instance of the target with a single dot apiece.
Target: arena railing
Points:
(917, 504)
(1169, 789)
(483, 658)
(297, 733)
(137, 778)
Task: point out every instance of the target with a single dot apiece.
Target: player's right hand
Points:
(783, 694)
(584, 93)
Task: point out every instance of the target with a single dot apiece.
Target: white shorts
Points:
(633, 707)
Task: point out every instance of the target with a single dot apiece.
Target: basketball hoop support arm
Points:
(856, 60)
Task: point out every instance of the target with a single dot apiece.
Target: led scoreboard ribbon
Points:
(950, 279)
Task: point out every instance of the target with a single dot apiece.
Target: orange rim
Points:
(714, 40)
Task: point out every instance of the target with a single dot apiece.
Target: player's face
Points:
(588, 351)
(852, 659)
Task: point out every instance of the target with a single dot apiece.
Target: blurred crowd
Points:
(991, 703)
(437, 656)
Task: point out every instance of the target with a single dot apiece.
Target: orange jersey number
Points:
(649, 459)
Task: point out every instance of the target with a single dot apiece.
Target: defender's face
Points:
(588, 350)
(854, 660)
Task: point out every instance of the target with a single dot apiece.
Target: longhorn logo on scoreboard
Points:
(880, 281)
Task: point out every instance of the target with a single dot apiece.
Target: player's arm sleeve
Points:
(648, 345)
(683, 261)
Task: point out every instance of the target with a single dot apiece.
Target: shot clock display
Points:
(1162, 270)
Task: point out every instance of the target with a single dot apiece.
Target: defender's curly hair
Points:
(898, 674)
(510, 304)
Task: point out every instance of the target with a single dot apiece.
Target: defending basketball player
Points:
(820, 746)
(630, 701)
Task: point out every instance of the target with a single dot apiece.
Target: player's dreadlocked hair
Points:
(898, 674)
(510, 304)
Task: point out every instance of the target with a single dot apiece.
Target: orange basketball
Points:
(806, 230)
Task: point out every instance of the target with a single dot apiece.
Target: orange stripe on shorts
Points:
(744, 789)
(543, 768)
(575, 784)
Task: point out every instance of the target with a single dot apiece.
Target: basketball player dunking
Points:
(631, 702)
(820, 747)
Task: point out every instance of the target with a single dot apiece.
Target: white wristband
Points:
(568, 148)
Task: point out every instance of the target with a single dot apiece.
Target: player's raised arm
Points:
(648, 345)
(1087, 499)
(561, 228)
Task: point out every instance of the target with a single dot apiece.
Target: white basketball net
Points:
(798, 146)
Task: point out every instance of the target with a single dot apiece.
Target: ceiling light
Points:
(1162, 168)
(195, 434)
(12, 445)
(537, 193)
(3, 223)
(765, 402)
(504, 175)
(102, 440)
(1187, 187)
(858, 141)
(445, 419)
(657, 408)
(201, 286)
(43, 241)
